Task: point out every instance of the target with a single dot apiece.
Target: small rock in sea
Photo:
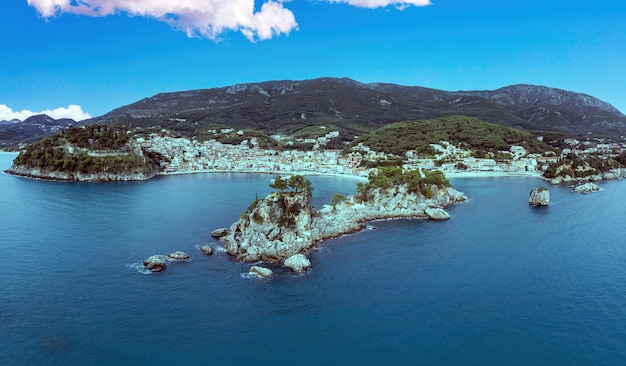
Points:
(178, 256)
(206, 249)
(539, 197)
(218, 233)
(298, 263)
(587, 188)
(261, 271)
(436, 213)
(155, 263)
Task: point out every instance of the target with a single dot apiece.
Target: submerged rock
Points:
(587, 188)
(206, 249)
(178, 256)
(261, 271)
(218, 233)
(436, 213)
(298, 263)
(539, 197)
(155, 263)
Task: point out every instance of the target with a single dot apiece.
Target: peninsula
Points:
(284, 225)
(93, 153)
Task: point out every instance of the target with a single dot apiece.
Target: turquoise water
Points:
(499, 283)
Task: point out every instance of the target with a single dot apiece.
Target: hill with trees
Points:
(92, 152)
(464, 132)
(572, 167)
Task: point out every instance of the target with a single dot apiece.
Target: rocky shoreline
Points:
(57, 176)
(259, 234)
(617, 173)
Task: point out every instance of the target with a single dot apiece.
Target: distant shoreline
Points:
(466, 174)
(285, 173)
(476, 174)
(470, 174)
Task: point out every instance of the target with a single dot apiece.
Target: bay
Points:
(499, 283)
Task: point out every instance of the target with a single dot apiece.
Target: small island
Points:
(284, 225)
(92, 153)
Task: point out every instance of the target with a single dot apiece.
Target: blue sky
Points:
(101, 54)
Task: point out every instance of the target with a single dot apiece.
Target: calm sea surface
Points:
(500, 283)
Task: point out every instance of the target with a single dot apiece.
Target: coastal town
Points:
(183, 156)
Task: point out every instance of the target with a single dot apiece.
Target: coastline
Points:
(360, 175)
(468, 174)
(252, 171)
(487, 174)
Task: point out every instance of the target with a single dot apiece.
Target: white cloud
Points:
(73, 111)
(205, 18)
(372, 4)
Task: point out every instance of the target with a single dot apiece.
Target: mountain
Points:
(354, 108)
(556, 109)
(13, 133)
(300, 108)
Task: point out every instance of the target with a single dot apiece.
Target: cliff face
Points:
(278, 227)
(38, 173)
(282, 225)
(539, 197)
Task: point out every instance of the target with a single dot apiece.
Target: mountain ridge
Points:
(292, 107)
(15, 133)
(355, 107)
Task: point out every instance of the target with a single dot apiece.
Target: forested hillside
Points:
(463, 132)
(90, 149)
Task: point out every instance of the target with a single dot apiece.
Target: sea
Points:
(500, 283)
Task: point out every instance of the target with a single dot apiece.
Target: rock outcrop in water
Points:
(155, 263)
(261, 272)
(587, 188)
(298, 263)
(206, 249)
(539, 197)
(282, 226)
(178, 256)
(436, 213)
(218, 233)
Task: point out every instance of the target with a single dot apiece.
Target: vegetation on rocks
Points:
(290, 206)
(392, 176)
(576, 166)
(289, 225)
(90, 149)
(294, 185)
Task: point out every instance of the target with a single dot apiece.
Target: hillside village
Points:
(183, 155)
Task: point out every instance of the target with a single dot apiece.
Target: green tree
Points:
(337, 199)
(296, 183)
(279, 184)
